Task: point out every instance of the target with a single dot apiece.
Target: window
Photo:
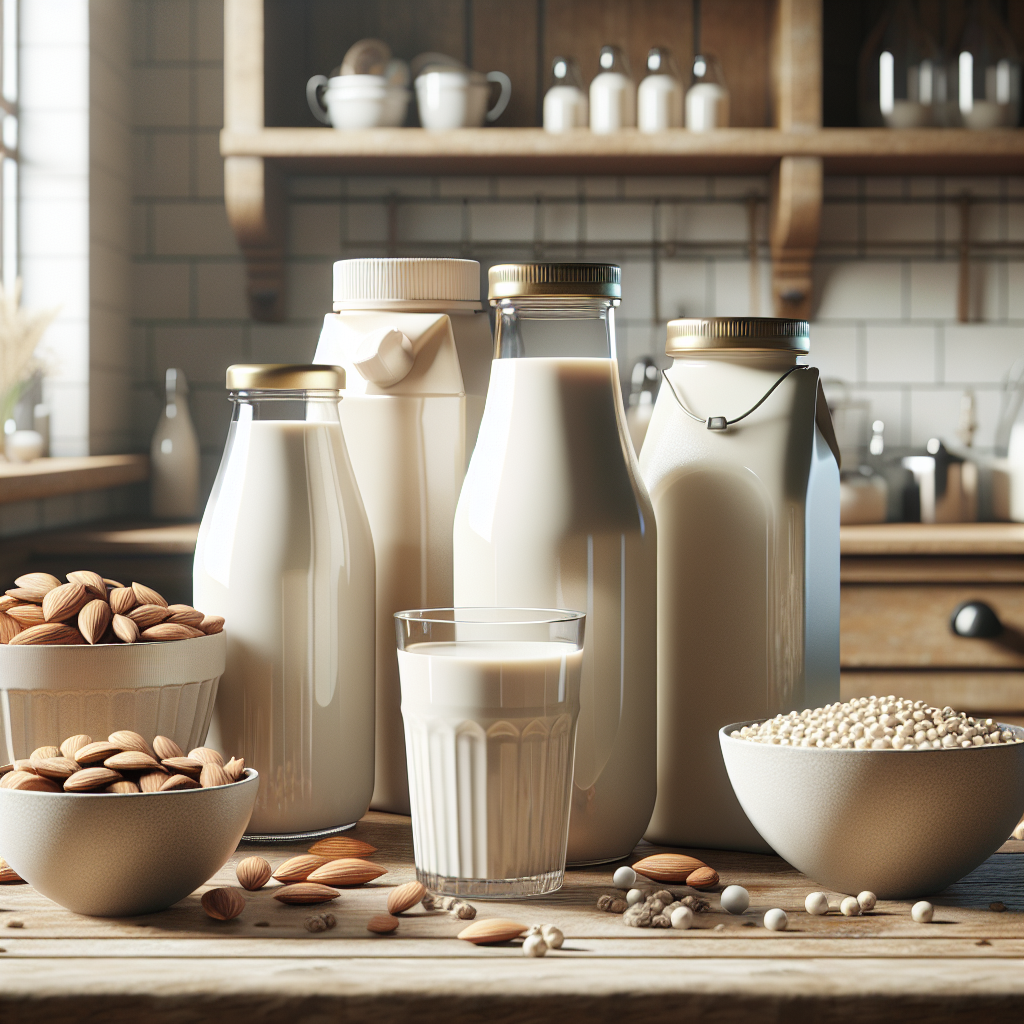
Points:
(9, 143)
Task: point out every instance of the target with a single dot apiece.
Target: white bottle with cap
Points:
(741, 463)
(416, 344)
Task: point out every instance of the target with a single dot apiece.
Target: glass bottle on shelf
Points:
(660, 97)
(612, 93)
(707, 99)
(565, 103)
(901, 74)
(986, 71)
(174, 455)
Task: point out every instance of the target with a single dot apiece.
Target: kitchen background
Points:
(886, 270)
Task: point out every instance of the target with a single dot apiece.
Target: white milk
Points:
(489, 728)
(285, 555)
(550, 517)
(409, 441)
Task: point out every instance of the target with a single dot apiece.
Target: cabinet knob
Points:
(975, 619)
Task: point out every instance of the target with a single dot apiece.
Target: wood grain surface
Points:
(179, 966)
(47, 478)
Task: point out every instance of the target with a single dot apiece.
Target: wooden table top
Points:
(264, 967)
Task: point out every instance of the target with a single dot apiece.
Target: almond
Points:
(23, 764)
(223, 904)
(122, 600)
(92, 581)
(212, 624)
(60, 768)
(346, 871)
(26, 615)
(147, 595)
(171, 631)
(213, 775)
(253, 873)
(405, 896)
(491, 929)
(125, 629)
(73, 744)
(178, 782)
(64, 602)
(297, 869)
(7, 602)
(49, 633)
(9, 628)
(306, 892)
(122, 786)
(30, 781)
(114, 585)
(93, 620)
(41, 753)
(131, 761)
(91, 778)
(146, 615)
(164, 747)
(185, 614)
(152, 782)
(702, 878)
(97, 753)
(7, 874)
(207, 755)
(341, 846)
(129, 739)
(5, 768)
(235, 768)
(183, 765)
(38, 584)
(382, 924)
(668, 867)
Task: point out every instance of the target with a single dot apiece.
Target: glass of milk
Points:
(490, 698)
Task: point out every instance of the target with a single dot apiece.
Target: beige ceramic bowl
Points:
(157, 689)
(901, 823)
(119, 854)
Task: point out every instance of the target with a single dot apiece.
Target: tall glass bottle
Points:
(986, 71)
(553, 514)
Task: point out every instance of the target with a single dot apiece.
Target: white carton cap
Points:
(380, 283)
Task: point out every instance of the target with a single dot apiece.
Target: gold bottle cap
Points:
(572, 280)
(753, 333)
(285, 377)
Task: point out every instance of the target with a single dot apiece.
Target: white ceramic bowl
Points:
(120, 854)
(901, 823)
(159, 689)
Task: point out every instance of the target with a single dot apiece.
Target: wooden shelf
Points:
(973, 539)
(120, 538)
(533, 151)
(48, 478)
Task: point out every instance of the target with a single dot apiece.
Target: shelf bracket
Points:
(255, 198)
(795, 219)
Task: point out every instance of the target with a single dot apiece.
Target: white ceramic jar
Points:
(457, 97)
(747, 506)
(286, 557)
(416, 346)
(553, 514)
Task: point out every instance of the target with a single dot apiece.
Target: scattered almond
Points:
(131, 761)
(125, 629)
(346, 871)
(8, 876)
(405, 896)
(491, 929)
(122, 786)
(341, 846)
(207, 755)
(48, 633)
(165, 747)
(213, 775)
(93, 620)
(297, 869)
(64, 602)
(38, 584)
(184, 613)
(668, 867)
(26, 615)
(91, 778)
(306, 892)
(382, 924)
(122, 600)
(178, 782)
(212, 624)
(702, 878)
(73, 744)
(92, 581)
(146, 615)
(128, 739)
(97, 753)
(171, 631)
(147, 595)
(253, 873)
(223, 904)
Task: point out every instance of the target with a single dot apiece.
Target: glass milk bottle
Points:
(416, 344)
(742, 466)
(285, 555)
(553, 514)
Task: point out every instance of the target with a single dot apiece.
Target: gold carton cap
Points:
(752, 333)
(285, 377)
(517, 280)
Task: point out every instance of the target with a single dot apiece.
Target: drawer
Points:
(987, 694)
(907, 626)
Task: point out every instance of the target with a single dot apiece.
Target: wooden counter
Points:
(48, 478)
(264, 967)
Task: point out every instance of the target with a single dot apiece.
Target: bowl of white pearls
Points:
(879, 793)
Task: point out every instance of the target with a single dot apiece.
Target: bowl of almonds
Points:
(90, 655)
(118, 826)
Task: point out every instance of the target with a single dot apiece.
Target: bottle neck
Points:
(305, 406)
(558, 326)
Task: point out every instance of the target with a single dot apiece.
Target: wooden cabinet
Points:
(900, 585)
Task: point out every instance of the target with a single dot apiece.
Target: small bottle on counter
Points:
(612, 94)
(707, 100)
(660, 97)
(565, 103)
(174, 456)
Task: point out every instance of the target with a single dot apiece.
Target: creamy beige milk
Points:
(409, 444)
(285, 555)
(552, 515)
(748, 576)
(489, 728)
